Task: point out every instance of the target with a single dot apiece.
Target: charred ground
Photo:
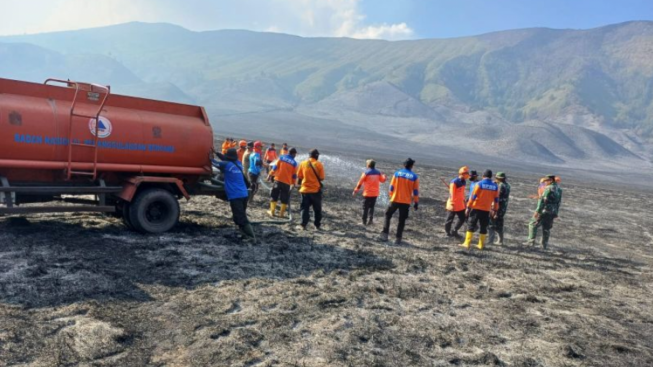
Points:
(83, 290)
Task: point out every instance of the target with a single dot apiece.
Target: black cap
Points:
(314, 153)
(473, 174)
(487, 173)
(408, 163)
(232, 155)
(250, 144)
(292, 151)
(551, 177)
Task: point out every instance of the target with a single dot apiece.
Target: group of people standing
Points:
(483, 209)
(480, 204)
(243, 168)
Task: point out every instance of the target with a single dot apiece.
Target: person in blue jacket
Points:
(255, 167)
(236, 187)
(473, 181)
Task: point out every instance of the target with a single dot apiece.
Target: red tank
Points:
(136, 156)
(134, 134)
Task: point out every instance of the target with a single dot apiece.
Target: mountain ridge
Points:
(599, 79)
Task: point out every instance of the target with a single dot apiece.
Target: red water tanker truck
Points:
(78, 146)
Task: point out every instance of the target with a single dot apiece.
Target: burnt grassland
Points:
(81, 290)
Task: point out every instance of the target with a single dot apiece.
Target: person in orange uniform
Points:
(285, 177)
(309, 177)
(242, 148)
(456, 202)
(370, 181)
(404, 190)
(284, 149)
(270, 157)
(226, 145)
(483, 203)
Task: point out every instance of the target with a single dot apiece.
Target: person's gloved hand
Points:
(416, 206)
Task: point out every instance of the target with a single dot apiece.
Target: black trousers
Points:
(404, 209)
(315, 201)
(253, 180)
(239, 211)
(477, 217)
(368, 208)
(450, 218)
(281, 191)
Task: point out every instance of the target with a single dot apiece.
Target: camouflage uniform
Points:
(496, 224)
(547, 208)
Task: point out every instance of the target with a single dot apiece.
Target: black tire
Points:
(126, 216)
(154, 211)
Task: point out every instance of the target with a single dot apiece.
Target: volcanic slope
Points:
(83, 290)
(596, 82)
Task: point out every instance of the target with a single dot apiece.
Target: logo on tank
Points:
(104, 128)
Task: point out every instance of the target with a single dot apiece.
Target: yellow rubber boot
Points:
(273, 207)
(468, 239)
(481, 241)
(282, 212)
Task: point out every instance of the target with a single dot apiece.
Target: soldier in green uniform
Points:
(496, 222)
(547, 210)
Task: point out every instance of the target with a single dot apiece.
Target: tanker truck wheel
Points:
(154, 211)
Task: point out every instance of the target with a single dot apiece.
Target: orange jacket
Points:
(285, 170)
(370, 181)
(270, 155)
(485, 195)
(225, 146)
(404, 187)
(456, 201)
(310, 183)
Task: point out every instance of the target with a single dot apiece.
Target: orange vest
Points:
(486, 194)
(456, 201)
(404, 187)
(310, 183)
(270, 155)
(285, 170)
(241, 152)
(371, 181)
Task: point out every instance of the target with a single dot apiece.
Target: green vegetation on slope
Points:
(521, 75)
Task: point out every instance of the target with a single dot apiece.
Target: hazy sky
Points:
(387, 19)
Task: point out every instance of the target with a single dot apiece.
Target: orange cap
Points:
(242, 143)
(463, 170)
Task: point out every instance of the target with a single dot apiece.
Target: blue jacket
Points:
(255, 163)
(234, 181)
(472, 185)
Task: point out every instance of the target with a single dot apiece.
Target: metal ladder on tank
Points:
(92, 88)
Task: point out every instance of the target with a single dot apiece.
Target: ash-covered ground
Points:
(81, 290)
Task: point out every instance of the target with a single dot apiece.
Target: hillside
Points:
(590, 92)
